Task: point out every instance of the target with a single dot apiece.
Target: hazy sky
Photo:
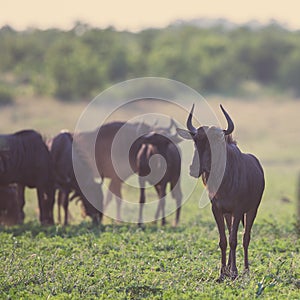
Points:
(138, 14)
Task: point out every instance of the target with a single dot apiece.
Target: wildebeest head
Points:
(144, 156)
(209, 142)
(87, 208)
(153, 152)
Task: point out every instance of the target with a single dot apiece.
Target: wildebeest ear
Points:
(176, 139)
(185, 134)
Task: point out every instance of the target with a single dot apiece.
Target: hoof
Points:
(246, 272)
(175, 224)
(233, 275)
(221, 278)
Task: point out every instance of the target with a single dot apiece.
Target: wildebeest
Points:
(65, 180)
(109, 151)
(60, 148)
(238, 193)
(158, 162)
(11, 204)
(25, 159)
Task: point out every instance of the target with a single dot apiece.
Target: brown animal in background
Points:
(11, 205)
(25, 159)
(240, 191)
(60, 148)
(105, 136)
(65, 181)
(158, 144)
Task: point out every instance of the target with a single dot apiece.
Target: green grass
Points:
(122, 261)
(125, 262)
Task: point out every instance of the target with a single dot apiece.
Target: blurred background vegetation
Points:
(47, 77)
(78, 64)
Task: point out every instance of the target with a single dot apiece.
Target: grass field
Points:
(122, 261)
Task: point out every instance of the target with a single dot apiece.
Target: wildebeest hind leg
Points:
(43, 207)
(115, 187)
(163, 204)
(142, 201)
(177, 195)
(158, 190)
(21, 199)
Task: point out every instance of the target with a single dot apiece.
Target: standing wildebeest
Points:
(106, 158)
(65, 180)
(150, 167)
(240, 188)
(11, 204)
(25, 159)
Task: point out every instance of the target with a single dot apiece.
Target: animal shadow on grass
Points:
(35, 229)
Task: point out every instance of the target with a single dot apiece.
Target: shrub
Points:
(6, 95)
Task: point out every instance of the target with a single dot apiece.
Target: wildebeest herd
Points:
(26, 160)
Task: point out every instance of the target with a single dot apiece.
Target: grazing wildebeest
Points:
(155, 149)
(25, 159)
(60, 148)
(105, 137)
(241, 185)
(65, 180)
(11, 204)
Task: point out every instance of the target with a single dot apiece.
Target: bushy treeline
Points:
(80, 63)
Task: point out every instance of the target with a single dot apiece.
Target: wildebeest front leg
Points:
(223, 240)
(41, 201)
(115, 189)
(108, 199)
(177, 195)
(248, 222)
(46, 202)
(142, 201)
(59, 203)
(66, 205)
(233, 244)
(228, 218)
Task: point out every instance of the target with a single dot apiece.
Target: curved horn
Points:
(189, 124)
(230, 125)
